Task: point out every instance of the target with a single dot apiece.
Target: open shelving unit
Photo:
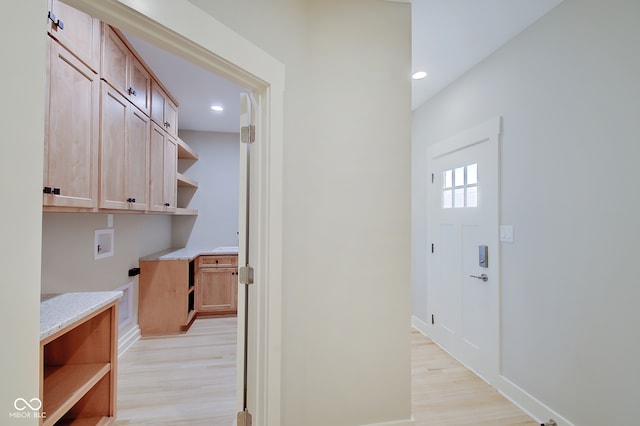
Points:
(78, 375)
(186, 186)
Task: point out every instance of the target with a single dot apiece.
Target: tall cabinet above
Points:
(111, 136)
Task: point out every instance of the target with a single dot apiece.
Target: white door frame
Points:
(489, 132)
(201, 39)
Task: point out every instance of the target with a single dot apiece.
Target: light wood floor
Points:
(190, 380)
(444, 392)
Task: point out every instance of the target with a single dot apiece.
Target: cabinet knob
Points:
(131, 200)
(47, 190)
(132, 91)
(167, 204)
(167, 124)
(56, 191)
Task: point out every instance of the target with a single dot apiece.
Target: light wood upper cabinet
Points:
(162, 170)
(124, 71)
(77, 31)
(71, 131)
(170, 170)
(124, 153)
(163, 110)
(137, 159)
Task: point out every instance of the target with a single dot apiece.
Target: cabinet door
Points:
(158, 99)
(162, 171)
(171, 117)
(217, 290)
(137, 159)
(71, 132)
(78, 32)
(156, 168)
(115, 111)
(170, 187)
(139, 89)
(115, 60)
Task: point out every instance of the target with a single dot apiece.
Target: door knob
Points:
(482, 277)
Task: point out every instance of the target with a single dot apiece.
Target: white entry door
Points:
(463, 280)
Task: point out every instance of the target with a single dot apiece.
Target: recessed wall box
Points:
(103, 244)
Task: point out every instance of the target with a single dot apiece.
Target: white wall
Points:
(346, 253)
(216, 198)
(346, 211)
(68, 262)
(22, 112)
(568, 93)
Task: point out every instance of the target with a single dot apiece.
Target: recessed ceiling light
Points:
(217, 108)
(419, 75)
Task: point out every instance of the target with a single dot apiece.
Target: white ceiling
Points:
(449, 37)
(195, 90)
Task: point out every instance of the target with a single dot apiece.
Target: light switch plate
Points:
(506, 233)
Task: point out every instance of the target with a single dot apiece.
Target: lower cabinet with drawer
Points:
(217, 285)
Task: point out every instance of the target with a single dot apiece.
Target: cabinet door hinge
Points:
(432, 248)
(245, 274)
(433, 319)
(244, 418)
(433, 177)
(248, 134)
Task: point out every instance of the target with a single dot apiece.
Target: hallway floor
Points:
(444, 392)
(176, 381)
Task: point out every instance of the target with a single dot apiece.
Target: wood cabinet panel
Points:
(140, 86)
(217, 285)
(156, 168)
(113, 149)
(221, 261)
(122, 70)
(137, 159)
(79, 32)
(158, 99)
(170, 170)
(217, 290)
(71, 131)
(124, 153)
(162, 171)
(115, 60)
(171, 117)
(163, 300)
(163, 110)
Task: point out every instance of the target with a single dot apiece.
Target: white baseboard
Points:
(420, 325)
(407, 422)
(528, 403)
(128, 339)
(514, 393)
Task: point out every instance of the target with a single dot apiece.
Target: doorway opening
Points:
(226, 53)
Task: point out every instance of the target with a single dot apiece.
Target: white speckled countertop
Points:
(60, 310)
(189, 253)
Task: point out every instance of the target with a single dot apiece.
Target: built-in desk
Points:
(167, 289)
